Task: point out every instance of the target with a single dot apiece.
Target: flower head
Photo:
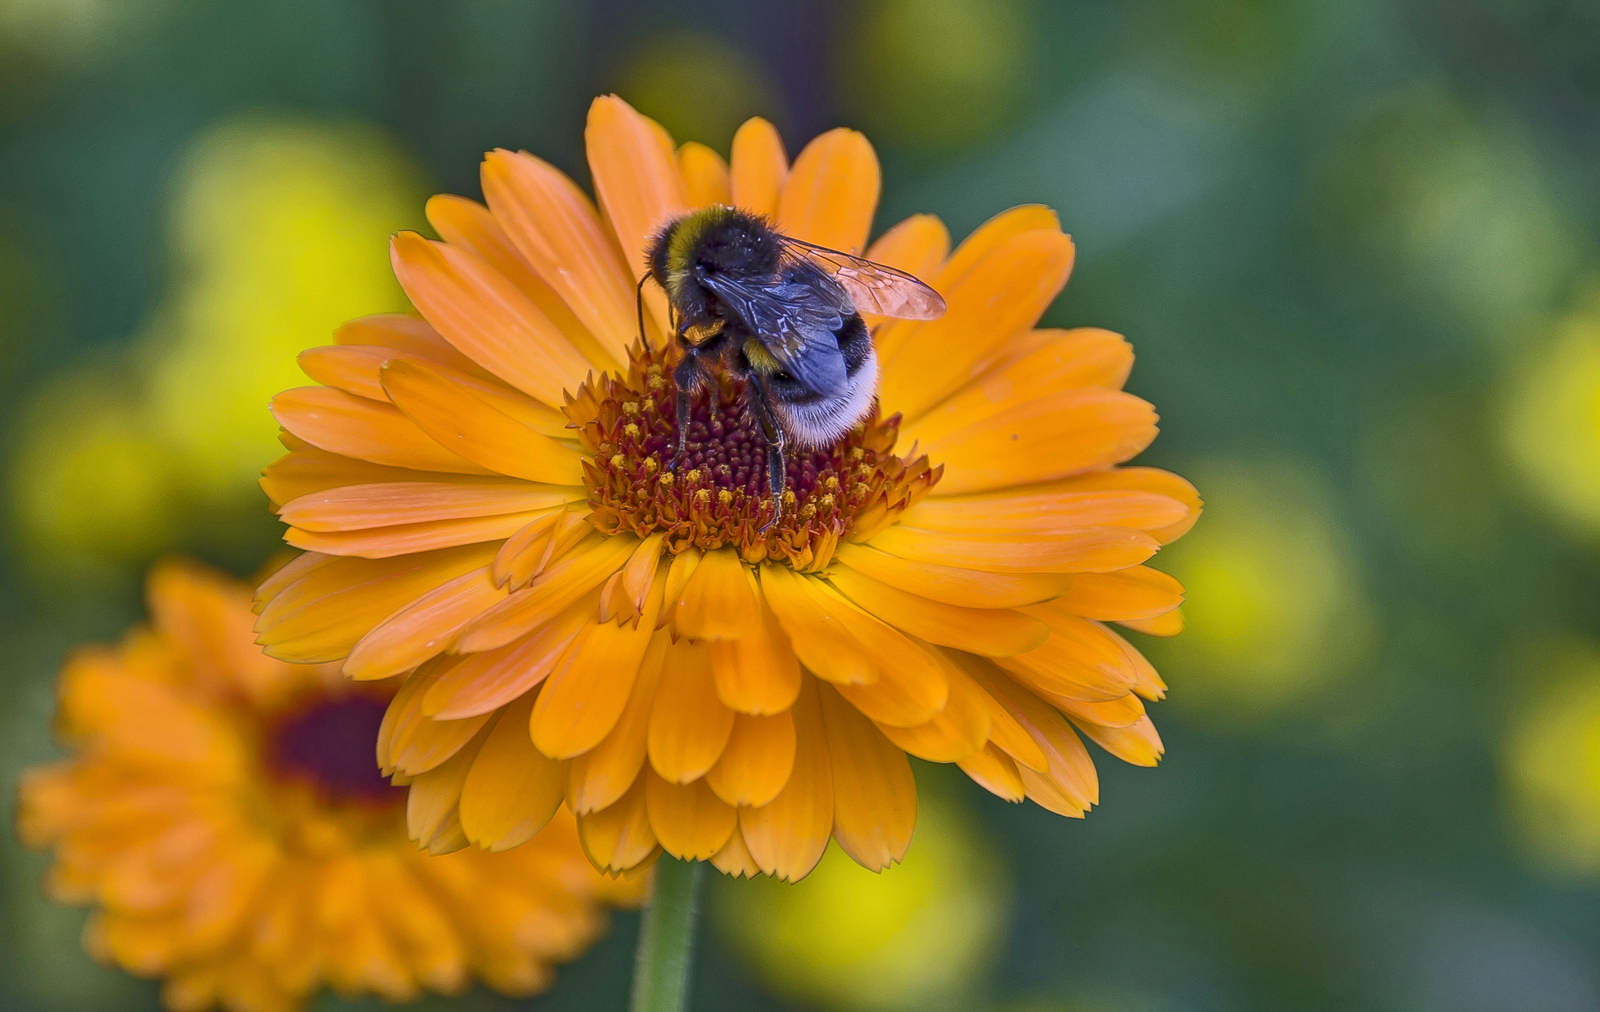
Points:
(486, 504)
(223, 813)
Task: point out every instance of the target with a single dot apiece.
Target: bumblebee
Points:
(784, 316)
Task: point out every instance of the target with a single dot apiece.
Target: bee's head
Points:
(713, 239)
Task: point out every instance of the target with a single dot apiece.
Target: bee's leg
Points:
(688, 375)
(777, 442)
(638, 299)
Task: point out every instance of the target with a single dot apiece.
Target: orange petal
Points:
(787, 836)
(1086, 550)
(308, 469)
(1060, 360)
(689, 821)
(582, 701)
(356, 427)
(601, 775)
(530, 551)
(719, 600)
(471, 226)
(1147, 683)
(408, 539)
(351, 368)
(321, 615)
(995, 772)
(619, 837)
(874, 794)
(550, 593)
(832, 192)
(968, 588)
(760, 167)
(473, 429)
(637, 181)
(1077, 663)
(1054, 436)
(1132, 593)
(1074, 786)
(689, 726)
(487, 317)
(410, 335)
(1168, 624)
(512, 790)
(1045, 509)
(822, 645)
(482, 682)
(422, 628)
(558, 231)
(1137, 744)
(759, 673)
(734, 858)
(757, 760)
(431, 803)
(1003, 295)
(705, 178)
(411, 743)
(991, 632)
(1145, 479)
(387, 504)
(1124, 711)
(959, 729)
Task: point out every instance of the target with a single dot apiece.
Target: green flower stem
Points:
(666, 939)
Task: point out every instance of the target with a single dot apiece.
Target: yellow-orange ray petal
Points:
(1124, 711)
(996, 772)
(433, 799)
(598, 777)
(1132, 593)
(530, 551)
(1137, 744)
(1069, 786)
(759, 167)
(422, 628)
(734, 858)
(512, 790)
(1085, 550)
(470, 225)
(356, 427)
(832, 192)
(874, 794)
(637, 182)
(308, 469)
(411, 743)
(689, 725)
(1054, 436)
(482, 682)
(705, 177)
(956, 731)
(1145, 479)
(406, 539)
(556, 228)
(1045, 509)
(487, 317)
(619, 836)
(583, 699)
(1076, 662)
(991, 632)
(408, 334)
(321, 614)
(822, 644)
(1166, 624)
(1147, 683)
(786, 836)
(352, 368)
(758, 673)
(474, 429)
(689, 821)
(550, 593)
(757, 760)
(387, 504)
(965, 588)
(719, 600)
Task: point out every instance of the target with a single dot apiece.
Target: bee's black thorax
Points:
(712, 240)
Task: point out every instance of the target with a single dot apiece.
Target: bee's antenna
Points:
(638, 300)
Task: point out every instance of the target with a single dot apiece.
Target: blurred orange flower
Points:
(482, 496)
(223, 812)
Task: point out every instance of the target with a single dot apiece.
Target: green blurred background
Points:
(1355, 247)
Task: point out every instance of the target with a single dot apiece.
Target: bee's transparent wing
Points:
(873, 287)
(795, 317)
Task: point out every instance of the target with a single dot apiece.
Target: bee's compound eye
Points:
(782, 376)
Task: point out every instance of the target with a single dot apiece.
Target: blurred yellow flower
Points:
(917, 937)
(223, 813)
(1275, 605)
(484, 503)
(1551, 759)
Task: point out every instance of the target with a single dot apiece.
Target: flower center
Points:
(329, 745)
(718, 493)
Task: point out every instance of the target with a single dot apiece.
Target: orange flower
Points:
(484, 502)
(222, 811)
